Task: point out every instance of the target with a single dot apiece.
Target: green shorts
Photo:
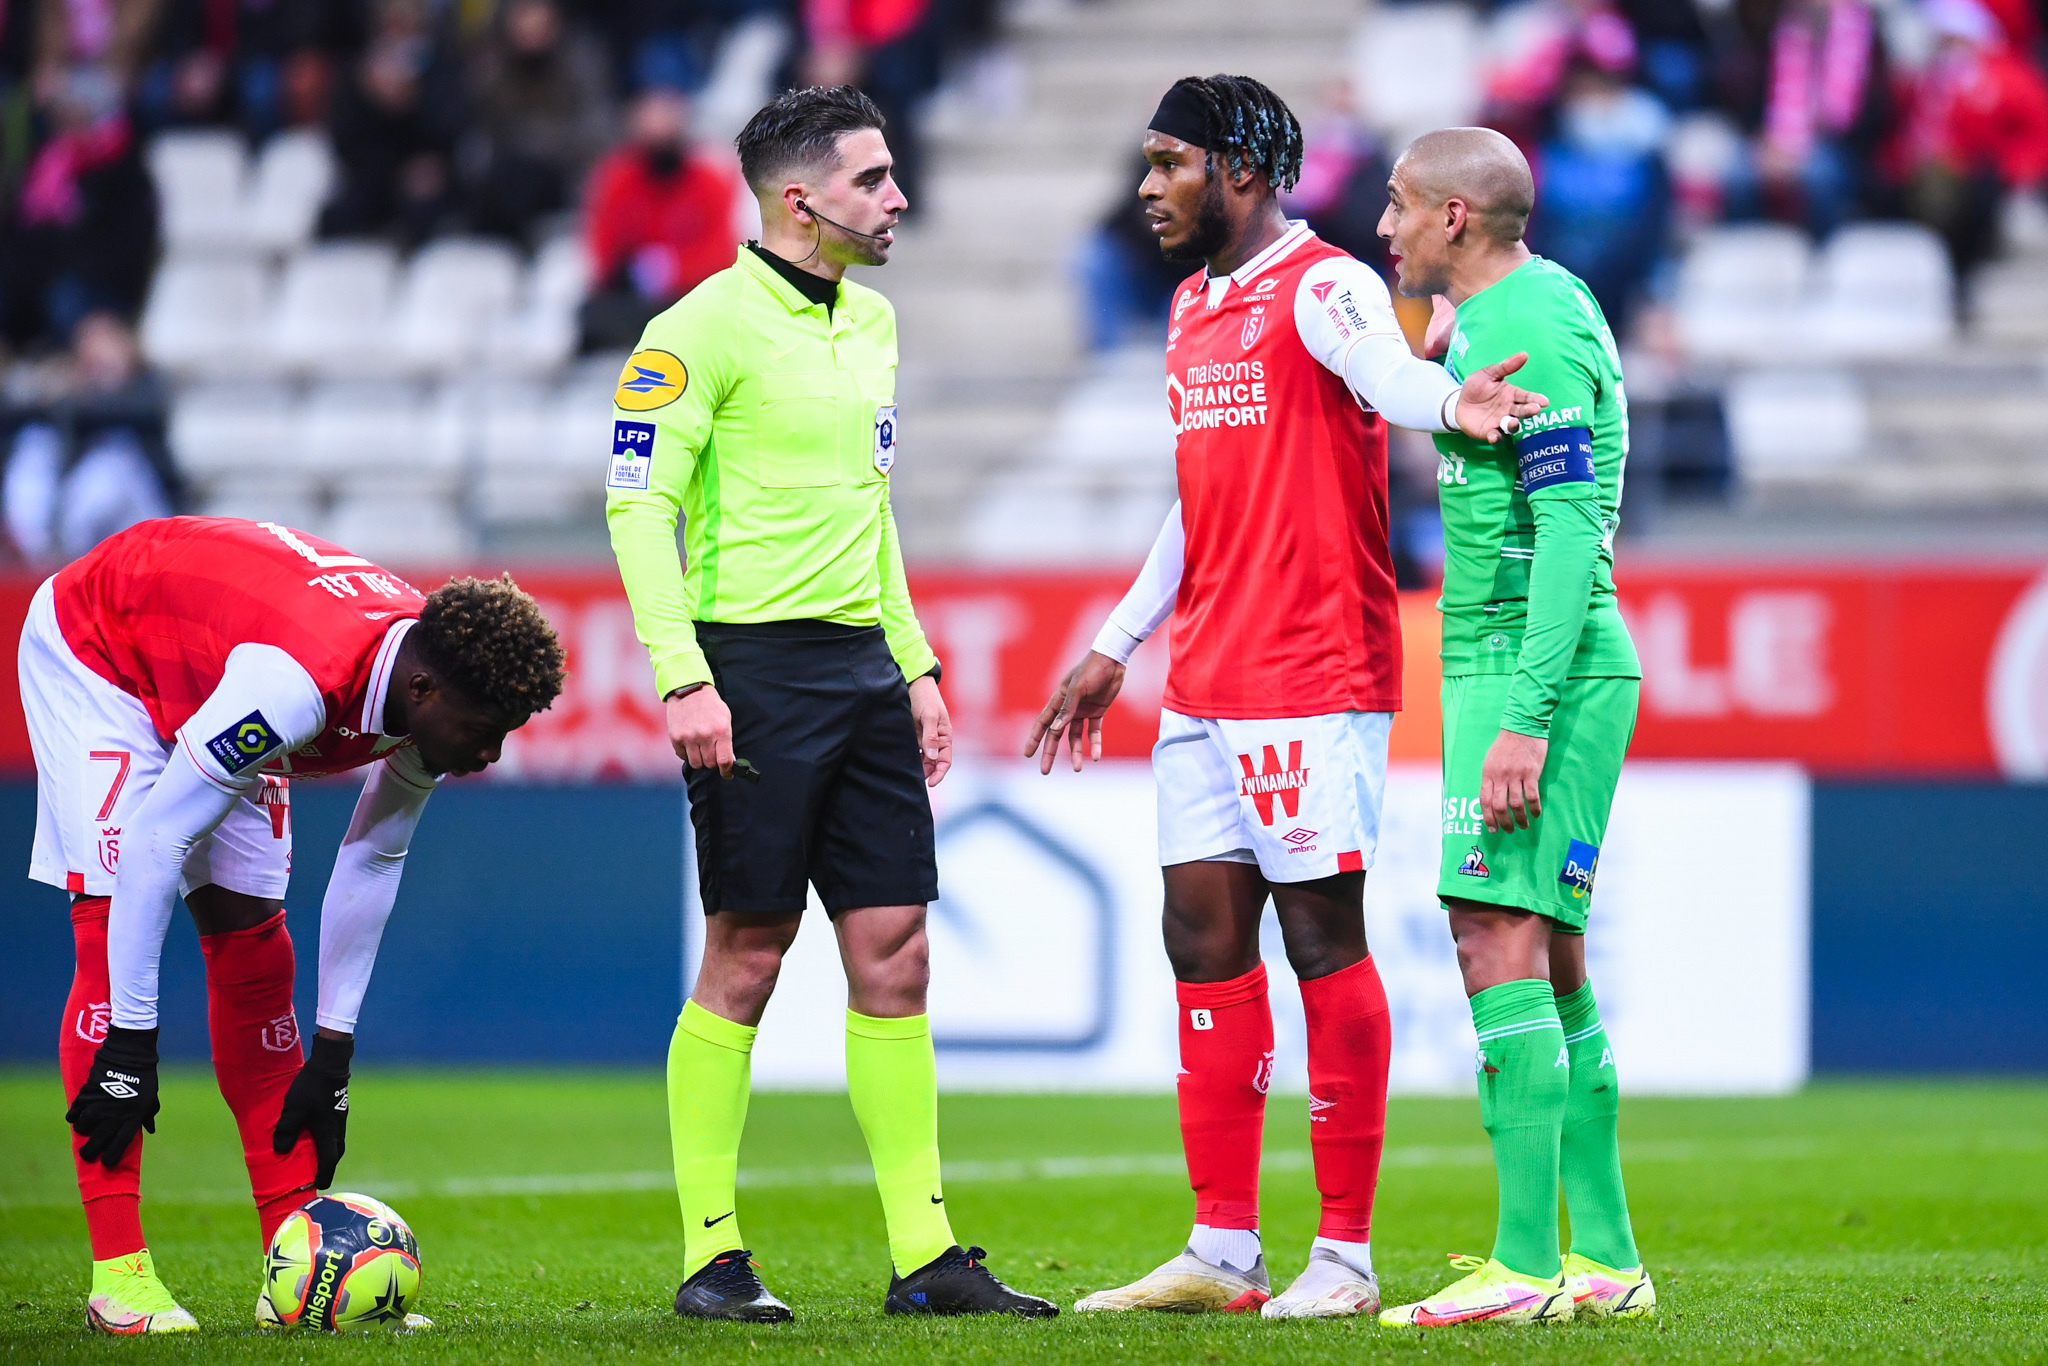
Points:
(1549, 867)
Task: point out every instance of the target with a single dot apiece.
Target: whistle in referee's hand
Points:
(742, 769)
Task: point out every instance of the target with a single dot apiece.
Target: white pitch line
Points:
(1679, 1151)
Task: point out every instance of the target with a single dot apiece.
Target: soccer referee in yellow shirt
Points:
(800, 690)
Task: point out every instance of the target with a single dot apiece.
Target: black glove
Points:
(118, 1099)
(318, 1104)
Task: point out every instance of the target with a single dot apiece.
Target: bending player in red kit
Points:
(1283, 364)
(175, 679)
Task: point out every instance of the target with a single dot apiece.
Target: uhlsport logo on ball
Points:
(342, 1261)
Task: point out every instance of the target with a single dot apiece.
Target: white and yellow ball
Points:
(342, 1261)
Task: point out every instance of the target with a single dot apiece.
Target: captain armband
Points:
(1558, 455)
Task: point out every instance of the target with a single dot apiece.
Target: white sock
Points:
(1357, 1256)
(1236, 1249)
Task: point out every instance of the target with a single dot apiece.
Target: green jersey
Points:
(768, 423)
(1529, 527)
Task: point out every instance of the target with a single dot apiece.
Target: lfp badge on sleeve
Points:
(632, 455)
(885, 437)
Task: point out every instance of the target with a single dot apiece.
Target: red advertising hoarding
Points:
(1846, 668)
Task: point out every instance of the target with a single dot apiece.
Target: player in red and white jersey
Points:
(174, 680)
(1284, 363)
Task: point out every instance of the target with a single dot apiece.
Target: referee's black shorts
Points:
(822, 712)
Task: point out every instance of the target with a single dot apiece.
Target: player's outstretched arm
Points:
(1345, 317)
(359, 898)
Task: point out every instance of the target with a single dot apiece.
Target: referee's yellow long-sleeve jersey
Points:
(768, 423)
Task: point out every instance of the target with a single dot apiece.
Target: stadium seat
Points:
(1076, 518)
(1416, 67)
(456, 293)
(200, 177)
(2009, 303)
(1793, 426)
(402, 532)
(260, 500)
(378, 434)
(1884, 289)
(292, 179)
(1742, 292)
(541, 334)
(333, 309)
(205, 315)
(233, 426)
(1116, 419)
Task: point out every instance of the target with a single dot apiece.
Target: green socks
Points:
(892, 1079)
(1524, 1074)
(1590, 1159)
(709, 1074)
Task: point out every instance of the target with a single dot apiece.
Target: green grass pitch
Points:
(1852, 1223)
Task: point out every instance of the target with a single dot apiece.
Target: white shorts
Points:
(97, 757)
(1299, 797)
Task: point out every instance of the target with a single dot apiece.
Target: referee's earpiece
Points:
(871, 236)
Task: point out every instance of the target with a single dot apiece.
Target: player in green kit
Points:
(1539, 701)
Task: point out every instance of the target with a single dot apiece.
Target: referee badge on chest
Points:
(885, 437)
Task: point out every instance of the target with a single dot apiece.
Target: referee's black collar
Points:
(814, 288)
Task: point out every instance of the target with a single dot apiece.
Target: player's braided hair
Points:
(1254, 126)
(489, 640)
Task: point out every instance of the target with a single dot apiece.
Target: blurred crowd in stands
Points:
(523, 120)
(1647, 120)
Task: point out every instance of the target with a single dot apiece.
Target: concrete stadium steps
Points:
(989, 312)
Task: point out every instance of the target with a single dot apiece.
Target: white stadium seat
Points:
(200, 177)
(401, 530)
(1884, 289)
(456, 292)
(206, 315)
(541, 334)
(1416, 67)
(237, 429)
(293, 176)
(334, 307)
(1788, 426)
(1742, 292)
(376, 432)
(259, 500)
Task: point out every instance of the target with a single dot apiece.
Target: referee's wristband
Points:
(934, 673)
(677, 694)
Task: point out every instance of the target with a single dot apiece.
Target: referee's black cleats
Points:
(956, 1282)
(727, 1288)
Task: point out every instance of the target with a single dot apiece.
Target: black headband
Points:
(1182, 115)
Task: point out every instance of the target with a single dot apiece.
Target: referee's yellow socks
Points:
(893, 1080)
(709, 1075)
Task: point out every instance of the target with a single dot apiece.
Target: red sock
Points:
(1226, 1064)
(255, 1056)
(113, 1199)
(1349, 1041)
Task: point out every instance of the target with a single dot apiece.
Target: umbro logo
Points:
(1299, 836)
(119, 1090)
(1316, 1108)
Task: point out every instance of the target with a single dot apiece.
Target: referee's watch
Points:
(934, 673)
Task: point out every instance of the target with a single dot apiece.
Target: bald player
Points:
(1539, 701)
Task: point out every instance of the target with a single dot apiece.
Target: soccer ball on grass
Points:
(342, 1261)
